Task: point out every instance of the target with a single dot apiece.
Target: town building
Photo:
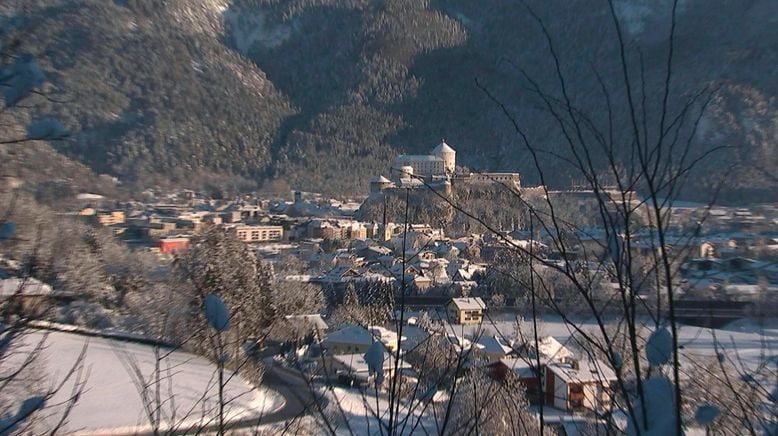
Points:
(173, 245)
(103, 218)
(521, 368)
(492, 348)
(350, 339)
(466, 310)
(352, 368)
(258, 233)
(574, 385)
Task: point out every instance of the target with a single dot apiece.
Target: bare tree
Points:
(25, 393)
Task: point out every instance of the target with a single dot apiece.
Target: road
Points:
(299, 400)
(291, 385)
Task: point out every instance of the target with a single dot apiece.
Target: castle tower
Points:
(379, 183)
(448, 154)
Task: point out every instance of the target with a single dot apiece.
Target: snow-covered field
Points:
(110, 401)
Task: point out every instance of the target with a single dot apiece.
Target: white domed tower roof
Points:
(448, 154)
(443, 148)
(380, 179)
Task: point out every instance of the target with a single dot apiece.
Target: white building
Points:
(440, 162)
(576, 385)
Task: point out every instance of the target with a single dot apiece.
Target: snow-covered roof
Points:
(340, 272)
(462, 274)
(417, 157)
(356, 362)
(443, 148)
(313, 320)
(492, 345)
(553, 349)
(350, 334)
(469, 303)
(380, 179)
(386, 336)
(89, 196)
(589, 371)
(459, 341)
(519, 366)
(409, 181)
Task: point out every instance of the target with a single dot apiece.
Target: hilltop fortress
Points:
(436, 170)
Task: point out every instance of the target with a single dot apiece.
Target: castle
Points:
(441, 162)
(439, 168)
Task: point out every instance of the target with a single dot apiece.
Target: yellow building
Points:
(466, 310)
(104, 218)
(259, 233)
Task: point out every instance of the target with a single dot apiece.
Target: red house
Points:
(523, 369)
(173, 245)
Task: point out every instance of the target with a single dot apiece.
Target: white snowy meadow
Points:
(110, 401)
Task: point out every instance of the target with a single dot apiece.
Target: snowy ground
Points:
(746, 342)
(111, 403)
(361, 411)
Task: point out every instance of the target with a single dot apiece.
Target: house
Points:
(492, 348)
(521, 368)
(422, 283)
(353, 368)
(426, 255)
(574, 385)
(548, 348)
(462, 275)
(345, 258)
(373, 253)
(339, 274)
(447, 251)
(466, 310)
(349, 339)
(389, 338)
(410, 270)
(32, 295)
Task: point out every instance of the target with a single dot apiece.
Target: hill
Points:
(323, 93)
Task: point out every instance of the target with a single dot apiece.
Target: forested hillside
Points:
(323, 93)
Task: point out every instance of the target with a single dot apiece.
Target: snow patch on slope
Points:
(248, 27)
(201, 16)
(638, 16)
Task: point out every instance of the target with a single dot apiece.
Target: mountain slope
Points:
(150, 91)
(323, 93)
